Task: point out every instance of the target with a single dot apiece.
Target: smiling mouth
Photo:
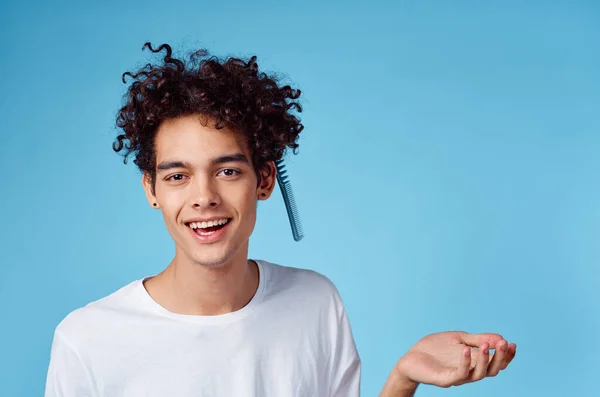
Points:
(208, 228)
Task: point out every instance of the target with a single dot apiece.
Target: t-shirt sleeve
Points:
(67, 375)
(345, 380)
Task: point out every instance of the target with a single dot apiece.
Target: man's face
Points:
(207, 189)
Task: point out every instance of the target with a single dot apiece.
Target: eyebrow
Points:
(230, 158)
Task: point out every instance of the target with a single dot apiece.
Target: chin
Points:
(213, 259)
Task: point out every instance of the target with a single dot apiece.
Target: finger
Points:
(464, 367)
(476, 340)
(511, 352)
(475, 356)
(459, 375)
(480, 370)
(499, 360)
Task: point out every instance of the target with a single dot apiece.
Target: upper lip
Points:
(214, 218)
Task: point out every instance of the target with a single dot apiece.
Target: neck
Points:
(185, 287)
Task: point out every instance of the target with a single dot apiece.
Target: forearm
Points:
(398, 386)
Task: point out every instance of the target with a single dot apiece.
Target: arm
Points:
(345, 378)
(398, 386)
(67, 375)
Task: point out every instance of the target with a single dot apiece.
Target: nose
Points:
(203, 193)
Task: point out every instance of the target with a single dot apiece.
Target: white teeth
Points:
(204, 225)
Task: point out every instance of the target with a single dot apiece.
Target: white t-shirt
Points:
(293, 339)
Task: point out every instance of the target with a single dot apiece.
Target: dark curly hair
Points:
(232, 92)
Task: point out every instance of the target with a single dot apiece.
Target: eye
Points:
(229, 172)
(176, 177)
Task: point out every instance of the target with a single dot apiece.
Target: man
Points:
(215, 323)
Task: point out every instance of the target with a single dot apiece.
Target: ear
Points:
(267, 177)
(149, 190)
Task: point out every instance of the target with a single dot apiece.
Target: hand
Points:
(454, 358)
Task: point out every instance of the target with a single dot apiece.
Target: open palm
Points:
(453, 358)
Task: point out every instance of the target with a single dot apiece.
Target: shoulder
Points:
(86, 322)
(290, 275)
(305, 284)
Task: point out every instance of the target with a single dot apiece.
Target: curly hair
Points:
(232, 92)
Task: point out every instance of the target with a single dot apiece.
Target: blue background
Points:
(447, 177)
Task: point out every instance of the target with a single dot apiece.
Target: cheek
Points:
(246, 204)
(171, 204)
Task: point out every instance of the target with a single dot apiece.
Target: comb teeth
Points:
(290, 202)
(281, 171)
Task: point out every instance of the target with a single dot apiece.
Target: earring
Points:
(154, 204)
(263, 194)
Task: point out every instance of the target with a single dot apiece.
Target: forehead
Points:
(194, 139)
